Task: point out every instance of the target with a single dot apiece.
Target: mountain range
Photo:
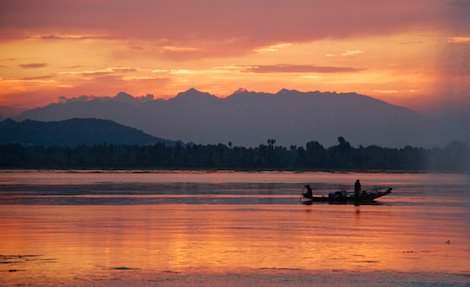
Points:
(73, 132)
(250, 118)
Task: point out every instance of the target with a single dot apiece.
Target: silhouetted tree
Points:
(313, 156)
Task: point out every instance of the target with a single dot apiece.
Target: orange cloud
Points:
(33, 78)
(101, 72)
(351, 53)
(459, 40)
(284, 68)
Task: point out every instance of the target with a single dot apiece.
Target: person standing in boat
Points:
(357, 189)
(309, 192)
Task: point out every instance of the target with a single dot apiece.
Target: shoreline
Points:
(215, 170)
(126, 276)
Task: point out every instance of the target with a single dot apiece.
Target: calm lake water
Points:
(102, 228)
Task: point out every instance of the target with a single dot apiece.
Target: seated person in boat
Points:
(309, 192)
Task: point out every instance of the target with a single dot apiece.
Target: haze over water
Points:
(105, 228)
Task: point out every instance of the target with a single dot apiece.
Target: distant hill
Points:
(72, 132)
(249, 118)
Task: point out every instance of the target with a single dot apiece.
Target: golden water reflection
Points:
(68, 225)
(83, 239)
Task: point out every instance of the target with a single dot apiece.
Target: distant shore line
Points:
(266, 157)
(212, 170)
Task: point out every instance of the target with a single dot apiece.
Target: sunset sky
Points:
(411, 53)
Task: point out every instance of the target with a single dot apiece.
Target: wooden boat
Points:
(366, 196)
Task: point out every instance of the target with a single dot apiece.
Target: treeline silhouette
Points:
(312, 156)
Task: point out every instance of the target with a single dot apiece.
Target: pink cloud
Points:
(254, 23)
(71, 37)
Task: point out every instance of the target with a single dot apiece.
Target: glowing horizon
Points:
(409, 54)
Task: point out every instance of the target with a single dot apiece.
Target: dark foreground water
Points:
(99, 228)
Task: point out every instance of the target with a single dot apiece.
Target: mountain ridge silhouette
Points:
(249, 118)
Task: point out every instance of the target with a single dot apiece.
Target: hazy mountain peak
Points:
(287, 92)
(192, 91)
(246, 94)
(241, 90)
(124, 97)
(194, 94)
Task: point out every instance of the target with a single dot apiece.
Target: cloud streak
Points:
(102, 72)
(70, 37)
(33, 78)
(285, 68)
(349, 53)
(33, 65)
(458, 40)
